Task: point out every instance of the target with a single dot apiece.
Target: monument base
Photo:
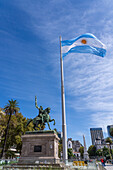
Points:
(39, 147)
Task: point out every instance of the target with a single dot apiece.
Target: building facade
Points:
(75, 146)
(97, 138)
(108, 129)
(95, 133)
(100, 144)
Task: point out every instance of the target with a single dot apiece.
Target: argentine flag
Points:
(86, 43)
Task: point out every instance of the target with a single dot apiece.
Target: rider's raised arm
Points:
(36, 103)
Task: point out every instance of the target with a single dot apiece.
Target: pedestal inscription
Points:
(38, 148)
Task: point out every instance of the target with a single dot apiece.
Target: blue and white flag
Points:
(86, 43)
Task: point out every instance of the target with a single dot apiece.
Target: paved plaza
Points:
(109, 167)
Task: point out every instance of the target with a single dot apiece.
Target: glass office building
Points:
(95, 133)
(108, 129)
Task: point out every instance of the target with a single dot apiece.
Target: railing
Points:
(70, 164)
(101, 167)
(7, 161)
(47, 164)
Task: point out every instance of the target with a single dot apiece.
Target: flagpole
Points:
(63, 108)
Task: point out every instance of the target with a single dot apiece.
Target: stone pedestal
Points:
(39, 147)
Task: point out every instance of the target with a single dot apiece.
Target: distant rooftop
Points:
(95, 128)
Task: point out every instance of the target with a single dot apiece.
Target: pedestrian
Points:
(102, 161)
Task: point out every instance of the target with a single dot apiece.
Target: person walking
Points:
(102, 161)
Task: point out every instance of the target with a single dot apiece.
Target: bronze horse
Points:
(42, 118)
(38, 120)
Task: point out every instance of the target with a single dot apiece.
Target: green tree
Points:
(99, 152)
(81, 150)
(2, 129)
(10, 109)
(60, 150)
(17, 128)
(2, 124)
(109, 141)
(56, 131)
(70, 153)
(111, 132)
(92, 150)
(106, 153)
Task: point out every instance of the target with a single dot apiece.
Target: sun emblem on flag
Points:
(83, 41)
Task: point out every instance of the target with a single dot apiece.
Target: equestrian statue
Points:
(42, 118)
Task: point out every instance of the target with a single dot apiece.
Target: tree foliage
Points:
(10, 109)
(17, 128)
(60, 150)
(92, 150)
(111, 132)
(70, 153)
(109, 140)
(99, 152)
(81, 150)
(106, 153)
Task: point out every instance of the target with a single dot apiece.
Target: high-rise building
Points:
(108, 129)
(95, 133)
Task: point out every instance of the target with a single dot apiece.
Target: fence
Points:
(101, 167)
(7, 161)
(82, 165)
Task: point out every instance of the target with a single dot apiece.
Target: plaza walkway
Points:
(109, 167)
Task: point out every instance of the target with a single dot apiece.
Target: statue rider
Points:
(47, 110)
(41, 111)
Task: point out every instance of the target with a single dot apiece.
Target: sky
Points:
(30, 62)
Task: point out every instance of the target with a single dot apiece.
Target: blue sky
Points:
(30, 61)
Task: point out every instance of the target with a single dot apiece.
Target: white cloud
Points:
(102, 119)
(88, 78)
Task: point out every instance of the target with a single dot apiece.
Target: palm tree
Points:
(10, 109)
